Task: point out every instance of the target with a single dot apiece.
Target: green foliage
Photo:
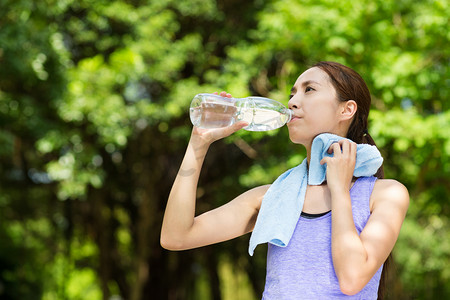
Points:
(94, 100)
(18, 279)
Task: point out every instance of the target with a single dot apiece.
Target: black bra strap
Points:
(313, 216)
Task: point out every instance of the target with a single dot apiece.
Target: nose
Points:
(293, 103)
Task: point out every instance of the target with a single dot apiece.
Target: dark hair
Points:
(349, 85)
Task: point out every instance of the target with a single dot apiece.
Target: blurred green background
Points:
(94, 98)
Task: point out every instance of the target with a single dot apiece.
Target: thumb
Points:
(324, 160)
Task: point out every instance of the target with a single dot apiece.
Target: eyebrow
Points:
(304, 83)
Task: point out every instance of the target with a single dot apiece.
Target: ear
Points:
(348, 109)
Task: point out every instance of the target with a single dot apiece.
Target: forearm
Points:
(180, 209)
(349, 255)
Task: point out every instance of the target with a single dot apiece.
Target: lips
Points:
(294, 118)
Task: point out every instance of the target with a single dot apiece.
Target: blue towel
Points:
(283, 202)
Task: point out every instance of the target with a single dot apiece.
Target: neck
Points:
(308, 145)
(308, 153)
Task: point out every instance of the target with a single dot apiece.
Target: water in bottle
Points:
(214, 111)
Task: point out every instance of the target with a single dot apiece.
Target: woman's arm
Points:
(181, 229)
(356, 258)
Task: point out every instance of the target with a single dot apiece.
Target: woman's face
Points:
(315, 106)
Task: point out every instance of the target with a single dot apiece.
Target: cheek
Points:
(321, 118)
(319, 112)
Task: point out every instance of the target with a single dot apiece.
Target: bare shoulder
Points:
(389, 192)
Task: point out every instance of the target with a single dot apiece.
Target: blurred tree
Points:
(93, 111)
(31, 82)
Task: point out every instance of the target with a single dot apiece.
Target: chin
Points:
(299, 139)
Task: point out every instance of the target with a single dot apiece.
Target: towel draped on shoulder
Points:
(283, 202)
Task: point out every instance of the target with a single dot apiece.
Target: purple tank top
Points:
(304, 268)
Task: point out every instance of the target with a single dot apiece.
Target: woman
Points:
(327, 98)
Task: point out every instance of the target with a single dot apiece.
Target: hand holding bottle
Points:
(209, 135)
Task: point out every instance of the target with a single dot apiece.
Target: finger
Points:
(235, 127)
(216, 93)
(240, 125)
(345, 142)
(335, 148)
(348, 147)
(345, 146)
(353, 148)
(324, 160)
(223, 94)
(330, 149)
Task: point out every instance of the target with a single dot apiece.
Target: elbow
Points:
(349, 289)
(169, 243)
(170, 247)
(166, 244)
(351, 285)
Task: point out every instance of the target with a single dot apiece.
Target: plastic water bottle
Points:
(214, 111)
